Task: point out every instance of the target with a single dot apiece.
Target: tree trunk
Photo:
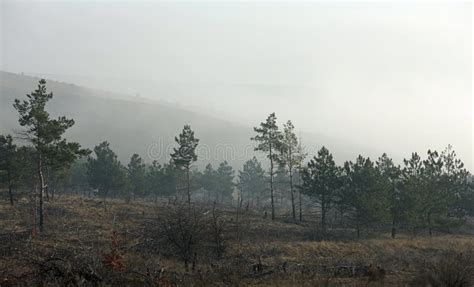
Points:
(194, 262)
(358, 227)
(301, 206)
(186, 264)
(35, 209)
(323, 215)
(46, 190)
(238, 225)
(10, 187)
(188, 186)
(430, 228)
(251, 197)
(394, 230)
(271, 184)
(41, 190)
(105, 194)
(292, 194)
(241, 200)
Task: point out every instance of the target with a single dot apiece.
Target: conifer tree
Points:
(79, 181)
(290, 158)
(9, 168)
(321, 181)
(105, 172)
(457, 181)
(183, 156)
(412, 179)
(251, 181)
(362, 193)
(161, 180)
(208, 181)
(225, 177)
(433, 197)
(154, 178)
(390, 181)
(268, 140)
(136, 174)
(46, 136)
(300, 155)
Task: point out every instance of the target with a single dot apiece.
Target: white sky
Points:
(391, 76)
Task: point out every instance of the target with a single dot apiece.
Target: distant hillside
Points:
(133, 125)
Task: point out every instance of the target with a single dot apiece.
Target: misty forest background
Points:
(233, 143)
(431, 192)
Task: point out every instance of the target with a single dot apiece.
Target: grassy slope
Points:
(76, 226)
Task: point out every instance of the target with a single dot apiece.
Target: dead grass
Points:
(78, 227)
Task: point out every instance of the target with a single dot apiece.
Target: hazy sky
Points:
(390, 76)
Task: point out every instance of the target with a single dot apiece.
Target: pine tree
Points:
(27, 168)
(281, 182)
(225, 178)
(79, 180)
(321, 181)
(457, 180)
(433, 197)
(9, 169)
(362, 193)
(413, 184)
(58, 178)
(390, 176)
(45, 135)
(208, 181)
(105, 172)
(300, 155)
(170, 179)
(269, 139)
(290, 158)
(251, 181)
(436, 188)
(183, 156)
(136, 174)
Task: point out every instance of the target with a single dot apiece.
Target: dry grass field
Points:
(87, 242)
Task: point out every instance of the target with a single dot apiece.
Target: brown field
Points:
(77, 238)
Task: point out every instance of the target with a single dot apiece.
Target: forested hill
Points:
(135, 125)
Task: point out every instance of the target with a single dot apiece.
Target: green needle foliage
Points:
(46, 136)
(183, 156)
(321, 181)
(268, 140)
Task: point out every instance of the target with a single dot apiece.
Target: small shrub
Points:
(448, 270)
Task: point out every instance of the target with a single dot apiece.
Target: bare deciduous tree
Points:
(184, 227)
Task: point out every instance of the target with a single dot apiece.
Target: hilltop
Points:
(137, 125)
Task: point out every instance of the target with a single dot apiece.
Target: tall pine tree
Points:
(362, 194)
(183, 156)
(321, 181)
(46, 136)
(268, 140)
(290, 158)
(225, 177)
(390, 181)
(252, 182)
(9, 169)
(136, 174)
(105, 172)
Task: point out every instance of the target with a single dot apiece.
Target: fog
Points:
(390, 77)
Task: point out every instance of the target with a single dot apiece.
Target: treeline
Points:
(434, 193)
(423, 194)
